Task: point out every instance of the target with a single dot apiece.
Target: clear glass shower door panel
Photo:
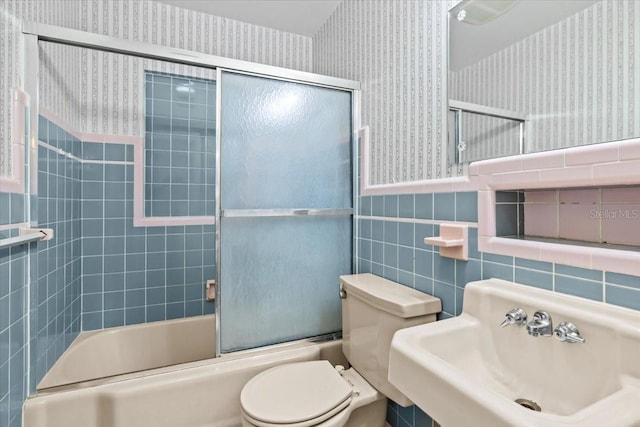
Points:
(284, 146)
(280, 278)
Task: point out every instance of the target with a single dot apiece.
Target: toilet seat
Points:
(314, 392)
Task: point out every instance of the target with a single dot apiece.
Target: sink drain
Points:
(529, 404)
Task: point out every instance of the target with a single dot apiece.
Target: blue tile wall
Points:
(133, 274)
(509, 213)
(14, 286)
(98, 271)
(56, 297)
(179, 145)
(393, 247)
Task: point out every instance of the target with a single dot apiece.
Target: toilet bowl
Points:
(316, 393)
(308, 394)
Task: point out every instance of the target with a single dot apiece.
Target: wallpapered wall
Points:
(165, 25)
(65, 13)
(578, 79)
(89, 77)
(398, 51)
(122, 112)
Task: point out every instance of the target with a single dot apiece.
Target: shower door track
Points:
(248, 213)
(83, 39)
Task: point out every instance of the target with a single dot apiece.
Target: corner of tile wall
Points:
(15, 278)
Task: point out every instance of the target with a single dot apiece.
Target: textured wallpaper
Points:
(9, 45)
(166, 25)
(65, 13)
(95, 91)
(109, 91)
(579, 79)
(60, 82)
(397, 50)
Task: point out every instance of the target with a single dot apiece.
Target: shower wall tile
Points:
(100, 271)
(179, 176)
(137, 274)
(14, 312)
(56, 299)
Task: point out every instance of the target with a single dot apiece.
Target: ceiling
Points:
(295, 16)
(471, 43)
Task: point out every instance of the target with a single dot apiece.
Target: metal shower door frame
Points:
(36, 32)
(220, 213)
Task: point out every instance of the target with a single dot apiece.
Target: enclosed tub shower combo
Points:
(292, 384)
(205, 169)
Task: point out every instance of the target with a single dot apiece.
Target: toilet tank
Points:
(373, 309)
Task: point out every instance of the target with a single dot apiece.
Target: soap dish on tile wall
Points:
(453, 241)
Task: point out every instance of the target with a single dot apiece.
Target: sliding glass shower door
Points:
(285, 226)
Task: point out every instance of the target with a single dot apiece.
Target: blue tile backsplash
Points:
(390, 243)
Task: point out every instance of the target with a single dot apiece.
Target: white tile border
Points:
(15, 183)
(416, 220)
(139, 219)
(611, 163)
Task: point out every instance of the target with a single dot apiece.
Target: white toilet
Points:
(317, 394)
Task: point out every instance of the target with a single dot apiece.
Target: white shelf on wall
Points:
(453, 241)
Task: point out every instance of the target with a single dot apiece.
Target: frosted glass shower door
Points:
(285, 210)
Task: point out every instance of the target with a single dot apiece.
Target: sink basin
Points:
(468, 370)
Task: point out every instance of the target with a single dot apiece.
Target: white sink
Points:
(468, 371)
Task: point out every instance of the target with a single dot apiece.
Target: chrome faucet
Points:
(516, 316)
(541, 325)
(567, 332)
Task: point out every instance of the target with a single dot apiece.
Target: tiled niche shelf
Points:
(605, 217)
(579, 171)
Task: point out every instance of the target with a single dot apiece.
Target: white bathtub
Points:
(115, 351)
(193, 394)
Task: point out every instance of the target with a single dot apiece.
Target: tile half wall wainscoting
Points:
(391, 229)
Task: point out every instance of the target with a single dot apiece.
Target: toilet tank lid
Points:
(389, 296)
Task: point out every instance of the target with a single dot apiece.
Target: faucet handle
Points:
(517, 316)
(541, 325)
(567, 332)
